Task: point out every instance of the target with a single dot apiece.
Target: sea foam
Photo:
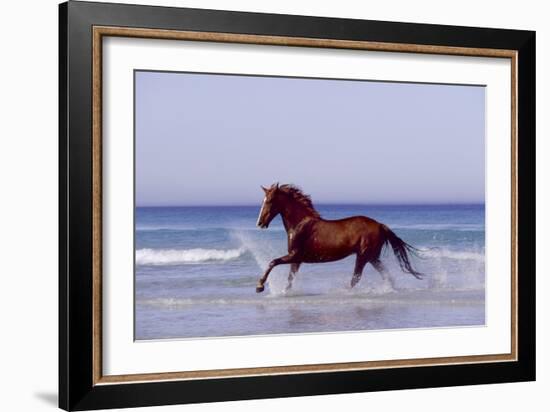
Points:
(177, 257)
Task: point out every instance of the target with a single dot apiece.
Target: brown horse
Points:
(312, 239)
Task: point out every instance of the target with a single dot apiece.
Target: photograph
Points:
(293, 205)
(272, 203)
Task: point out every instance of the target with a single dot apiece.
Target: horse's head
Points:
(270, 206)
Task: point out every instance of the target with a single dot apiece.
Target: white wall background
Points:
(28, 206)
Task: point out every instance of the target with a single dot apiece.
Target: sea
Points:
(196, 270)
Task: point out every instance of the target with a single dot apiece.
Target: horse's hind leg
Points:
(294, 267)
(360, 263)
(381, 268)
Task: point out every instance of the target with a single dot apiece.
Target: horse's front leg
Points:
(290, 258)
(294, 267)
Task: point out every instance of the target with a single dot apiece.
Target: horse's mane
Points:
(300, 197)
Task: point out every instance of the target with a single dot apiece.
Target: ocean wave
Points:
(177, 257)
(176, 228)
(460, 227)
(454, 254)
(344, 297)
(251, 228)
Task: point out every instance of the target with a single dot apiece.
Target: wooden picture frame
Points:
(82, 384)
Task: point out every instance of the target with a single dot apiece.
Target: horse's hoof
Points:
(260, 288)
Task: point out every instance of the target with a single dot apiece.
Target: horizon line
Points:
(469, 203)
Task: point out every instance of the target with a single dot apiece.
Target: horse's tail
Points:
(401, 249)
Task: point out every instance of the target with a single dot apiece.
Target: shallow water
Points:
(197, 267)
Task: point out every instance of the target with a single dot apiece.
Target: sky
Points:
(205, 139)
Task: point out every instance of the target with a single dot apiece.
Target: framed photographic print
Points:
(256, 205)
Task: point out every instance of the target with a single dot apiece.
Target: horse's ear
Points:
(276, 185)
(264, 189)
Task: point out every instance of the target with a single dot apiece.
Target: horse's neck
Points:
(292, 217)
